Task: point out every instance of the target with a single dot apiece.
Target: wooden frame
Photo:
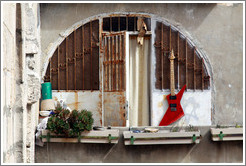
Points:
(227, 134)
(94, 136)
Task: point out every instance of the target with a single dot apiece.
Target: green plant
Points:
(70, 124)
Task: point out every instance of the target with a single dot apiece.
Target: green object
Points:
(221, 135)
(132, 140)
(194, 138)
(109, 138)
(46, 91)
(48, 137)
(70, 124)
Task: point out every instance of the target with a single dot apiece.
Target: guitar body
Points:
(174, 111)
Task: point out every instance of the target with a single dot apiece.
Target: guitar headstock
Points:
(171, 56)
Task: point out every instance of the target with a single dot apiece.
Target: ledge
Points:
(161, 137)
(94, 136)
(227, 134)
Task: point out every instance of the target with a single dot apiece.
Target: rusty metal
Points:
(121, 59)
(58, 81)
(117, 63)
(67, 64)
(109, 58)
(113, 65)
(186, 69)
(178, 57)
(74, 39)
(83, 59)
(91, 74)
(162, 54)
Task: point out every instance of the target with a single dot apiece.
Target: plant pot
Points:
(93, 136)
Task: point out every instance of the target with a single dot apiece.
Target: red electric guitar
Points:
(174, 111)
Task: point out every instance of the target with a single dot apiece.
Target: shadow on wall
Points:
(206, 151)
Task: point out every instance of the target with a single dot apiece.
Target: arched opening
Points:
(81, 69)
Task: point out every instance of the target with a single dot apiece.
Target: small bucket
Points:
(46, 91)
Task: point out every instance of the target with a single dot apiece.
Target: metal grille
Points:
(116, 24)
(75, 63)
(189, 66)
(114, 62)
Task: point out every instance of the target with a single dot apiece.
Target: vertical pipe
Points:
(83, 59)
(91, 74)
(74, 38)
(162, 58)
(66, 64)
(58, 84)
(194, 51)
(178, 58)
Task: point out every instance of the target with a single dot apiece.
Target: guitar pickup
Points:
(173, 105)
(172, 97)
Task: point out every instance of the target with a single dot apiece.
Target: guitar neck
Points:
(172, 81)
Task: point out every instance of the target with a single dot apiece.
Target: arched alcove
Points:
(76, 62)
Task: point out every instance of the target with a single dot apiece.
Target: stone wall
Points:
(21, 80)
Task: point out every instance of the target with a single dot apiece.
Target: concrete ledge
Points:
(227, 134)
(94, 136)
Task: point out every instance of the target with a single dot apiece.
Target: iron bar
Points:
(113, 54)
(162, 58)
(74, 39)
(178, 58)
(186, 73)
(117, 65)
(58, 83)
(83, 59)
(110, 66)
(120, 64)
(91, 74)
(66, 64)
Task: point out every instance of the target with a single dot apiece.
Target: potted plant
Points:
(75, 126)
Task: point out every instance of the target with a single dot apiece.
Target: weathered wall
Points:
(205, 152)
(222, 42)
(11, 90)
(206, 24)
(21, 81)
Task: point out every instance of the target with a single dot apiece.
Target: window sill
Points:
(161, 137)
(227, 134)
(94, 136)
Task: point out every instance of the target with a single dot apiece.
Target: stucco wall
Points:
(216, 29)
(206, 24)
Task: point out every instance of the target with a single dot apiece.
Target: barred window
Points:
(75, 63)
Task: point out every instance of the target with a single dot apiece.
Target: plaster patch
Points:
(196, 106)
